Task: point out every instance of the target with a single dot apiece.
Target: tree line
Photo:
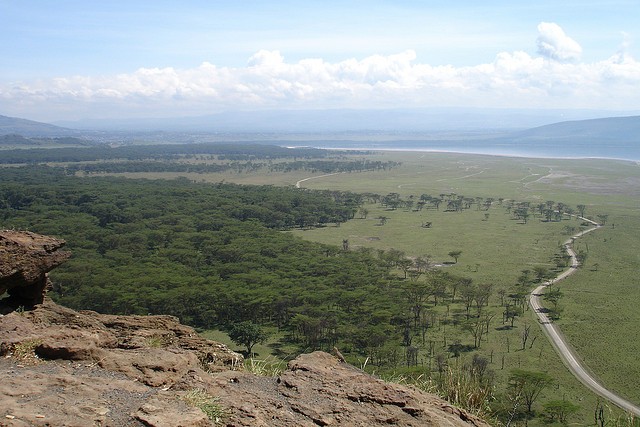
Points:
(233, 152)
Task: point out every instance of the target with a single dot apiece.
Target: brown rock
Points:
(91, 369)
(156, 350)
(154, 413)
(318, 389)
(25, 259)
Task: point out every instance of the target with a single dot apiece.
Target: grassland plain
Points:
(600, 316)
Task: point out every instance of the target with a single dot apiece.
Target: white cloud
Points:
(553, 43)
(513, 79)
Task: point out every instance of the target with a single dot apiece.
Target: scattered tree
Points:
(247, 334)
(553, 296)
(526, 331)
(559, 410)
(455, 255)
(510, 313)
(528, 385)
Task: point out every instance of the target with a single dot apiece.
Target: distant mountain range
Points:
(344, 120)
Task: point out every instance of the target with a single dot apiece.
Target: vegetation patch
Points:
(24, 352)
(265, 367)
(201, 399)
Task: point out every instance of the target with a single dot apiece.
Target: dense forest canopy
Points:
(210, 254)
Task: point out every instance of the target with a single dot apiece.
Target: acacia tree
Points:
(540, 273)
(528, 385)
(581, 257)
(477, 329)
(553, 296)
(247, 334)
(455, 255)
(510, 313)
(468, 291)
(405, 265)
(559, 410)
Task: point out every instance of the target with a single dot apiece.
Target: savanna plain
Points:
(460, 239)
(599, 305)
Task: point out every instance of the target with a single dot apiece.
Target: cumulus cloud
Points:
(553, 43)
(512, 79)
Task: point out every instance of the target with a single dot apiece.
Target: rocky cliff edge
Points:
(60, 367)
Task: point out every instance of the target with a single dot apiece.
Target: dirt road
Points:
(562, 348)
(298, 184)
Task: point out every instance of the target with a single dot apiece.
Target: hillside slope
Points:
(30, 128)
(621, 129)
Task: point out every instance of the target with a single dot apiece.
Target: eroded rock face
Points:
(25, 260)
(319, 390)
(155, 350)
(63, 367)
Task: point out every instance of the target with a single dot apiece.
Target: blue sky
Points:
(75, 59)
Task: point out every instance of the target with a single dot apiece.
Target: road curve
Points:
(555, 336)
(315, 177)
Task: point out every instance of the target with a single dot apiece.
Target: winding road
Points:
(555, 336)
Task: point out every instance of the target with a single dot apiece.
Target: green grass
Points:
(601, 319)
(265, 367)
(493, 251)
(208, 404)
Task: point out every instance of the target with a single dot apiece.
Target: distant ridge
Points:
(30, 128)
(607, 138)
(620, 129)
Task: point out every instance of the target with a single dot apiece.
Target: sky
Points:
(71, 60)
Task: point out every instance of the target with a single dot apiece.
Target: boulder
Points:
(25, 260)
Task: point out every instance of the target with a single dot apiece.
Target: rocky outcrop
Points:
(67, 368)
(25, 260)
(155, 350)
(318, 389)
(63, 367)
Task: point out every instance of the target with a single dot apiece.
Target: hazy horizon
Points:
(72, 60)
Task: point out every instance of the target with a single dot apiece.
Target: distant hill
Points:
(30, 128)
(619, 129)
(611, 137)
